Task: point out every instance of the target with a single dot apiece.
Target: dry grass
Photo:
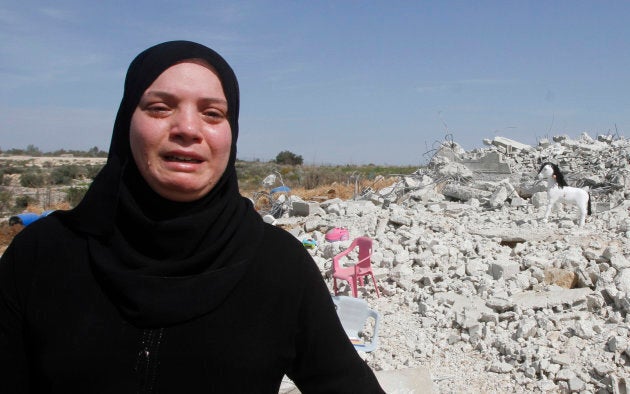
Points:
(7, 233)
(343, 191)
(36, 208)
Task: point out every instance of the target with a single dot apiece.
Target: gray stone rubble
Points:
(475, 288)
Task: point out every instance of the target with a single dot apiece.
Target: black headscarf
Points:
(163, 262)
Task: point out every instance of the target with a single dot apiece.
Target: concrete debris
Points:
(561, 277)
(464, 193)
(475, 288)
(490, 162)
(509, 146)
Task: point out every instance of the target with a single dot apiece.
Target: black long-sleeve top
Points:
(60, 333)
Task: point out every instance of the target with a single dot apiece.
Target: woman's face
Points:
(180, 135)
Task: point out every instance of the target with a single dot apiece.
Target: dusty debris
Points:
(476, 288)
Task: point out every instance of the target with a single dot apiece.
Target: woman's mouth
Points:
(182, 159)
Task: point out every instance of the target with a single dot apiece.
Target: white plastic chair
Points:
(355, 316)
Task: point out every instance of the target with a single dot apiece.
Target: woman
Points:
(164, 279)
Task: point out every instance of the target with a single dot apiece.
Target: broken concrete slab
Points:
(503, 269)
(472, 304)
(490, 163)
(464, 193)
(553, 297)
(456, 171)
(510, 234)
(406, 381)
(510, 146)
(498, 197)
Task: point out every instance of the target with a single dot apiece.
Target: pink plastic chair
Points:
(362, 268)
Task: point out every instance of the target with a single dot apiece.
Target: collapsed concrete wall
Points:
(475, 285)
(492, 162)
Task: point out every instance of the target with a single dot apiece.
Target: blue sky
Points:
(338, 82)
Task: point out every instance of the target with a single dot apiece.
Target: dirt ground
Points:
(7, 233)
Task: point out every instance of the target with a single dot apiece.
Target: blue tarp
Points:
(280, 189)
(27, 218)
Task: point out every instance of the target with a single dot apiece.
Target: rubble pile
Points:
(475, 287)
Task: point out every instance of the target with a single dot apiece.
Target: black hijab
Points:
(163, 262)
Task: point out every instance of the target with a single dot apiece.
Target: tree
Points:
(32, 150)
(287, 157)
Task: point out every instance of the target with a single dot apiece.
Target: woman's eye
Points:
(214, 114)
(157, 108)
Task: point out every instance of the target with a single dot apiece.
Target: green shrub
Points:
(74, 195)
(312, 179)
(32, 179)
(12, 169)
(6, 197)
(63, 175)
(22, 202)
(92, 170)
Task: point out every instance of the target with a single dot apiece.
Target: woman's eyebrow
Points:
(166, 95)
(159, 94)
(214, 100)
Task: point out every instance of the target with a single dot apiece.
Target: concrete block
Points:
(503, 269)
(500, 304)
(464, 193)
(498, 197)
(576, 384)
(561, 277)
(518, 202)
(539, 199)
(619, 262)
(501, 367)
(527, 328)
(492, 163)
(584, 329)
(600, 206)
(409, 380)
(622, 280)
(303, 208)
(401, 220)
(455, 170)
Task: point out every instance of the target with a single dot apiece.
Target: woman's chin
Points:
(182, 192)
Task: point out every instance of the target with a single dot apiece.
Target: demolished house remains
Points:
(475, 289)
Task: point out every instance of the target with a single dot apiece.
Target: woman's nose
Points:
(187, 124)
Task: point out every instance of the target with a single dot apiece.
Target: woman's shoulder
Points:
(282, 247)
(46, 239)
(45, 230)
(279, 237)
